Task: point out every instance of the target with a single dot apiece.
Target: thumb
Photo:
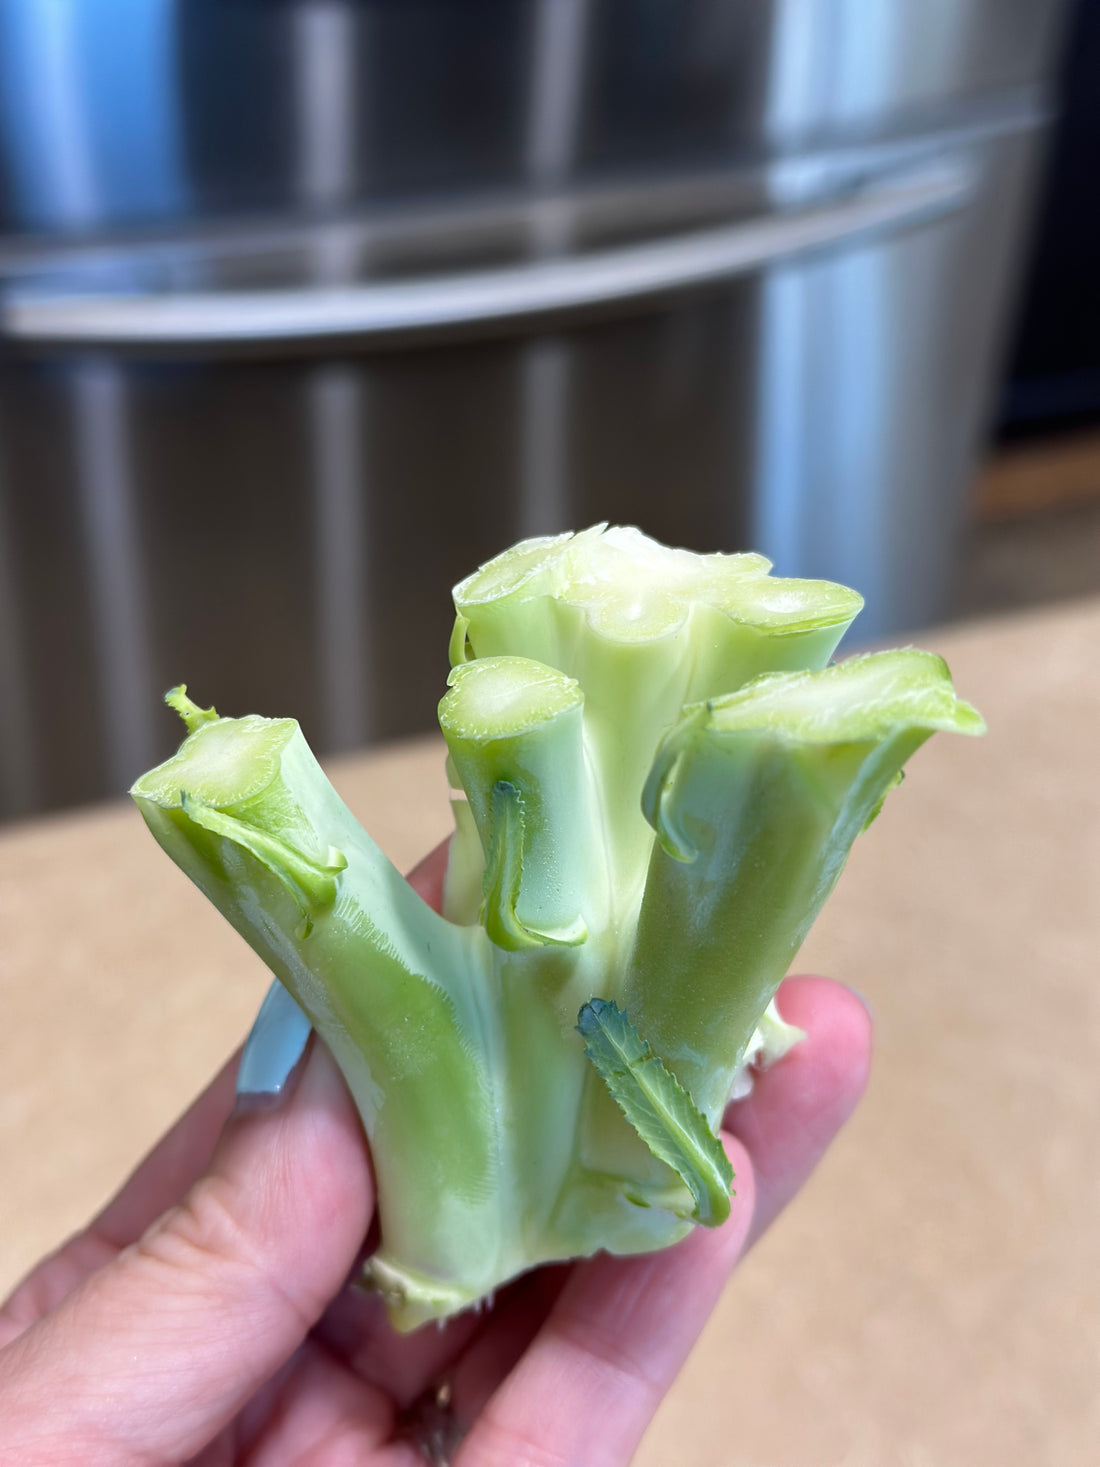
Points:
(153, 1355)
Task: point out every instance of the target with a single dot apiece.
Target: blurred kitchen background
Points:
(308, 306)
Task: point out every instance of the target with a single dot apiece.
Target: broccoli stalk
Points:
(542, 1069)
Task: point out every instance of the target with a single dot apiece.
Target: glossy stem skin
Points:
(770, 823)
(756, 798)
(515, 735)
(615, 612)
(398, 995)
(461, 1055)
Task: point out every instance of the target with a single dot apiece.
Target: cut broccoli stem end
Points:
(398, 994)
(757, 798)
(643, 629)
(515, 733)
(413, 1299)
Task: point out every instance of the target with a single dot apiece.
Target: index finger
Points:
(796, 1107)
(612, 1344)
(173, 1166)
(181, 1157)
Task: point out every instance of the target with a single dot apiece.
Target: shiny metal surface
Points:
(300, 521)
(480, 300)
(181, 109)
(875, 369)
(278, 520)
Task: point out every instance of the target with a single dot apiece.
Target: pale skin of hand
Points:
(205, 1315)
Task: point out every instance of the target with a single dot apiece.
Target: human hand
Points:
(207, 1315)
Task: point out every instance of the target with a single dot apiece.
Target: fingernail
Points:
(864, 1001)
(273, 1052)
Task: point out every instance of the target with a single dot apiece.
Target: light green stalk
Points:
(247, 812)
(756, 798)
(644, 630)
(502, 1137)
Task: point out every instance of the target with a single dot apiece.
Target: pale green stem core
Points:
(502, 1138)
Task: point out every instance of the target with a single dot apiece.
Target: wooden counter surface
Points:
(934, 1298)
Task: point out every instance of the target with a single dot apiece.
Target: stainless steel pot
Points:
(733, 272)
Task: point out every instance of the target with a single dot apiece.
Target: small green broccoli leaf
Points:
(311, 883)
(460, 650)
(888, 788)
(504, 872)
(193, 716)
(503, 889)
(658, 1107)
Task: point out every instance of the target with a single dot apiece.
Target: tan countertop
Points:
(934, 1298)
